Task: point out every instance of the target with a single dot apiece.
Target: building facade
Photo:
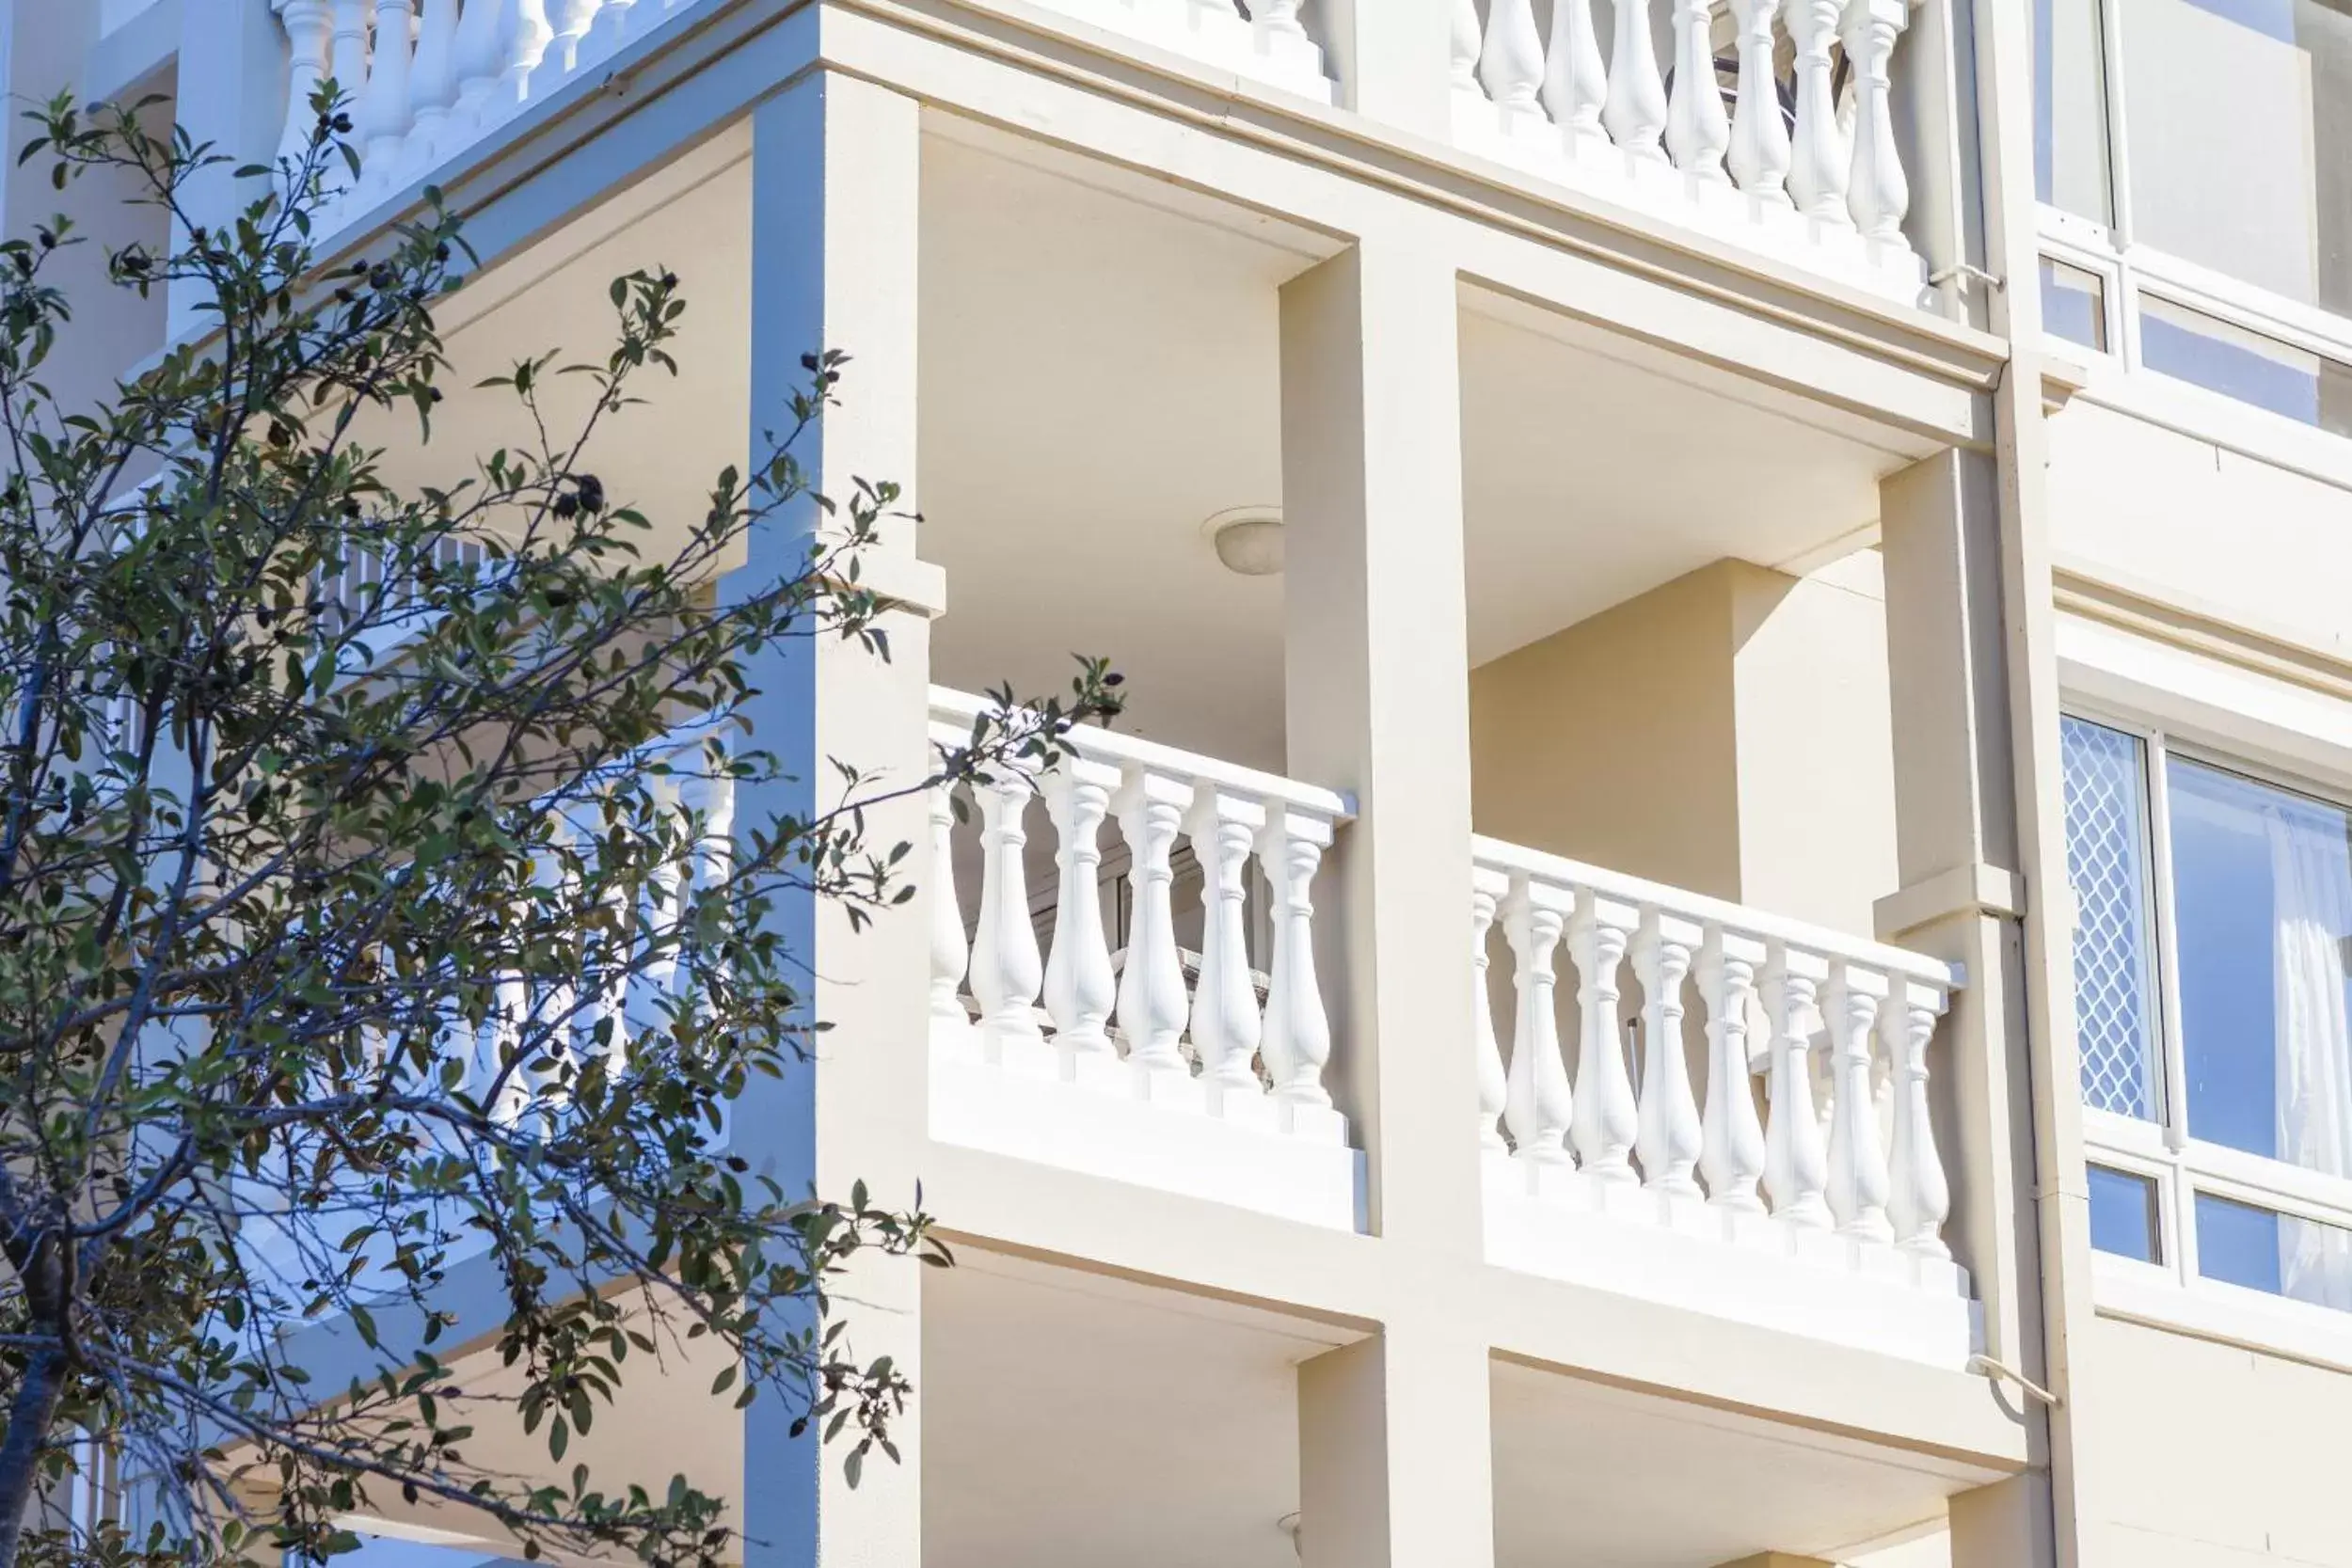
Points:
(1719, 930)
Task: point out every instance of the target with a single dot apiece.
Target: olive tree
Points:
(373, 902)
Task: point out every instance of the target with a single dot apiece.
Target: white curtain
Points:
(2311, 867)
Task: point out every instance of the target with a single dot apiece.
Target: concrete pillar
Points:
(2006, 1524)
(1961, 899)
(1392, 58)
(836, 193)
(1376, 691)
(1393, 1455)
(231, 94)
(1377, 700)
(1725, 732)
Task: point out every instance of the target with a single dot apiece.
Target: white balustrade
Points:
(1207, 1045)
(424, 79)
(1774, 996)
(1829, 193)
(1635, 111)
(1487, 891)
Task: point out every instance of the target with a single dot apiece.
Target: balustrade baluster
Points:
(1635, 111)
(715, 863)
(1466, 47)
(1297, 1038)
(1081, 988)
(1005, 968)
(308, 32)
(1668, 1140)
(1921, 1197)
(1733, 1137)
(1575, 83)
(1152, 811)
(663, 896)
(1540, 1105)
(568, 22)
(1878, 194)
(951, 1026)
(384, 111)
(1759, 138)
(1697, 130)
(1796, 1168)
(1280, 16)
(433, 83)
(478, 57)
(1226, 1027)
(524, 43)
(1511, 65)
(1488, 890)
(611, 29)
(619, 948)
(1817, 172)
(1607, 1120)
(1857, 1160)
(348, 66)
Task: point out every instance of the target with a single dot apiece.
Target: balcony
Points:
(1781, 135)
(1769, 1154)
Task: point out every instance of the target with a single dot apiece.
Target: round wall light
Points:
(1249, 540)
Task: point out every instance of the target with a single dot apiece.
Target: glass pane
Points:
(2073, 304)
(2070, 141)
(2262, 883)
(2245, 365)
(2107, 862)
(2282, 1254)
(2123, 1214)
(2237, 116)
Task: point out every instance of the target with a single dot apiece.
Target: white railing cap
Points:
(1125, 751)
(1738, 919)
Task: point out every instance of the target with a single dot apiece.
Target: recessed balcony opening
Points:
(1101, 397)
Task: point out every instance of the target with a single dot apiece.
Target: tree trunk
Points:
(29, 1415)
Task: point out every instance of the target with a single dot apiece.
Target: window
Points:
(2213, 967)
(2074, 303)
(2191, 151)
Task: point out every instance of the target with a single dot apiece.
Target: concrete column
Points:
(231, 94)
(1395, 1441)
(1393, 1445)
(2006, 1524)
(1378, 696)
(835, 196)
(1961, 899)
(1392, 58)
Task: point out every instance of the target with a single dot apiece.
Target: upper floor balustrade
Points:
(1768, 1155)
(1769, 127)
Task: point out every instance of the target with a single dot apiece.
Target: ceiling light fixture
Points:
(1249, 540)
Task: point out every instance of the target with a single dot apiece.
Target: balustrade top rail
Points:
(1739, 919)
(1109, 746)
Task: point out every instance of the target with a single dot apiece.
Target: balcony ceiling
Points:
(1101, 376)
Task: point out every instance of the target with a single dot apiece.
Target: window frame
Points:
(2171, 1292)
(2130, 269)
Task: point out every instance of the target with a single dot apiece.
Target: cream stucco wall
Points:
(1726, 732)
(2227, 624)
(2202, 525)
(2212, 1456)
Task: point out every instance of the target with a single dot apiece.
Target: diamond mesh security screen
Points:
(2106, 860)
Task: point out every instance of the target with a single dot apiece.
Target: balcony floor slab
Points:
(1746, 1268)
